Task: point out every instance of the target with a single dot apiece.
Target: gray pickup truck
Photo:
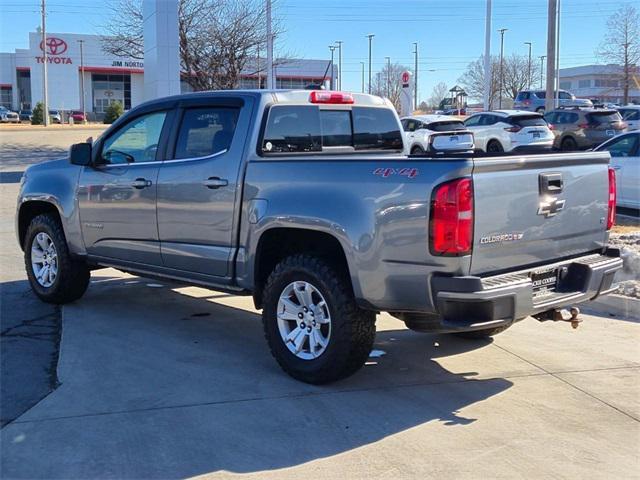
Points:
(307, 201)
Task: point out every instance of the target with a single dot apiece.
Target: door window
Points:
(206, 131)
(473, 121)
(565, 96)
(623, 147)
(136, 142)
(410, 125)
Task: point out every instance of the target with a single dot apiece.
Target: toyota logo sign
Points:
(55, 46)
(405, 79)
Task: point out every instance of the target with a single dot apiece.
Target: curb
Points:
(617, 306)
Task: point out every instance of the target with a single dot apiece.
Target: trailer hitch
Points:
(561, 315)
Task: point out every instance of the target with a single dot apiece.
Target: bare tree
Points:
(437, 94)
(388, 83)
(473, 80)
(515, 78)
(516, 74)
(621, 45)
(218, 38)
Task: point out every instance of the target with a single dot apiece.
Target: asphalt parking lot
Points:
(141, 379)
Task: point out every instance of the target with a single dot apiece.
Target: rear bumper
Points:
(474, 303)
(545, 147)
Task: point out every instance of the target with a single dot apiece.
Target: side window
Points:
(572, 117)
(631, 114)
(136, 142)
(565, 96)
(624, 147)
(473, 121)
(411, 126)
(292, 129)
(205, 131)
(376, 129)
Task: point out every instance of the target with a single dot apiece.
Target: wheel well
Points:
(30, 210)
(278, 243)
(416, 145)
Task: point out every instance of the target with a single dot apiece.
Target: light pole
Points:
(529, 66)
(84, 114)
(362, 65)
(415, 76)
(488, 76)
(45, 93)
(370, 36)
(502, 30)
(333, 49)
(542, 57)
(388, 59)
(270, 82)
(339, 44)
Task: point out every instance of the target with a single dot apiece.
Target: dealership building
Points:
(601, 82)
(108, 78)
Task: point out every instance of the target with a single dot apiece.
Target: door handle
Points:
(141, 183)
(215, 182)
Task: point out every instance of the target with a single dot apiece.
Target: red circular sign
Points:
(55, 46)
(405, 77)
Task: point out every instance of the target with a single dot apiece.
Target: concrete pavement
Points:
(159, 381)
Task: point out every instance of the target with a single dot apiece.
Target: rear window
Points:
(528, 121)
(523, 96)
(309, 129)
(604, 117)
(446, 126)
(631, 114)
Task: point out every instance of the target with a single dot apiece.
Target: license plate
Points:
(536, 134)
(611, 133)
(544, 282)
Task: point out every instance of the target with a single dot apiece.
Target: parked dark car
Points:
(25, 115)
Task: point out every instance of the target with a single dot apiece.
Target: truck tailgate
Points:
(537, 208)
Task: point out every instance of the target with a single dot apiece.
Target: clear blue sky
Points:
(450, 33)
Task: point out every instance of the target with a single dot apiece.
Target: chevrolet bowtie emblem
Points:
(550, 207)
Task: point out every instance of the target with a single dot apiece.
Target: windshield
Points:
(446, 126)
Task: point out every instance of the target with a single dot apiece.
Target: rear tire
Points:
(339, 346)
(55, 276)
(494, 146)
(480, 334)
(568, 145)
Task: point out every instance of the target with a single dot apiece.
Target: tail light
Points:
(551, 126)
(514, 129)
(527, 102)
(584, 125)
(327, 96)
(451, 224)
(622, 126)
(611, 210)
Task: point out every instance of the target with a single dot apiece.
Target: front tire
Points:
(55, 276)
(417, 150)
(314, 328)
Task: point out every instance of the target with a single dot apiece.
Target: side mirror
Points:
(80, 154)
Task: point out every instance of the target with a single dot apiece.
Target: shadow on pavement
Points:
(160, 384)
(29, 339)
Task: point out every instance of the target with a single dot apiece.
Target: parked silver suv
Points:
(533, 100)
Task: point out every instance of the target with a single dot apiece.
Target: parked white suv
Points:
(436, 133)
(631, 116)
(510, 130)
